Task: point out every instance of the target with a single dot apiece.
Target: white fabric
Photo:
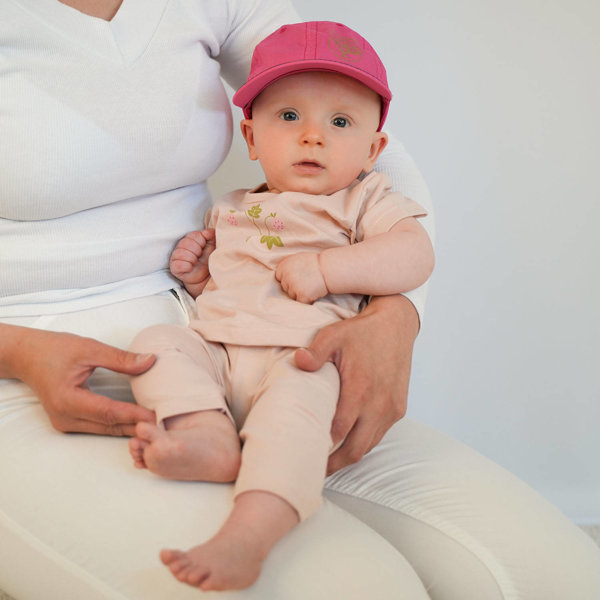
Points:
(109, 131)
(77, 520)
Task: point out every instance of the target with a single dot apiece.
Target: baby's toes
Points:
(136, 449)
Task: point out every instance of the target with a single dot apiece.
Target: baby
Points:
(286, 259)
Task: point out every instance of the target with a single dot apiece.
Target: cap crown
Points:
(314, 46)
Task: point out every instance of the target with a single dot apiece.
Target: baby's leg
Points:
(287, 434)
(232, 559)
(186, 388)
(283, 467)
(201, 446)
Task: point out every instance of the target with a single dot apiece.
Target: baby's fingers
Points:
(193, 242)
(281, 270)
(208, 234)
(181, 267)
(183, 260)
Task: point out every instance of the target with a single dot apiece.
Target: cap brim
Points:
(253, 87)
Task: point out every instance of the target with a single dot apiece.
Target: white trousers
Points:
(421, 517)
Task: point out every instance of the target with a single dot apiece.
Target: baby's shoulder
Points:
(230, 198)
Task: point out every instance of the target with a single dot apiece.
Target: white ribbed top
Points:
(108, 131)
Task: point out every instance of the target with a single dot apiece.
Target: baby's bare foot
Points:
(209, 450)
(233, 558)
(136, 449)
(220, 564)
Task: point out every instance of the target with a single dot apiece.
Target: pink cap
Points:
(314, 46)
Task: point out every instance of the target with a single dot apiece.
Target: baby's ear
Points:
(247, 127)
(379, 142)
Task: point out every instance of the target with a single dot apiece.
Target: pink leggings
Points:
(283, 414)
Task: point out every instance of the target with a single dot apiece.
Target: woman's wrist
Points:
(399, 310)
(12, 338)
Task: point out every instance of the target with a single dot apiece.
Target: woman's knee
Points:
(419, 484)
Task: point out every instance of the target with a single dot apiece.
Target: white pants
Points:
(420, 517)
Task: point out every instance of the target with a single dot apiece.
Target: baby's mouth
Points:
(309, 165)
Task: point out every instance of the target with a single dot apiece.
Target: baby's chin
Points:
(305, 190)
(309, 187)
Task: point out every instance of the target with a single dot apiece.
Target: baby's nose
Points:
(312, 137)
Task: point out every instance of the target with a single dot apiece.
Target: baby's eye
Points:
(340, 122)
(289, 115)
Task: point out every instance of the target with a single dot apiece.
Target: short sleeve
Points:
(250, 21)
(385, 212)
(380, 208)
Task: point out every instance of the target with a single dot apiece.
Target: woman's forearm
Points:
(11, 341)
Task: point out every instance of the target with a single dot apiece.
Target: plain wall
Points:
(498, 103)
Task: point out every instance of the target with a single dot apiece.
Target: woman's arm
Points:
(57, 365)
(249, 22)
(373, 354)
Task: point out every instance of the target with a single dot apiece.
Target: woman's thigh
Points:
(77, 520)
(469, 528)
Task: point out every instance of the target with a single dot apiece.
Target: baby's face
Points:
(314, 132)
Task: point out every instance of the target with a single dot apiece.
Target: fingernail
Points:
(142, 358)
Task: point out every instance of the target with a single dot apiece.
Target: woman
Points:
(112, 117)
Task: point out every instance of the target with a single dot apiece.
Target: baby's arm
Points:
(189, 260)
(393, 262)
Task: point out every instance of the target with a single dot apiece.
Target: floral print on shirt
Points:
(270, 222)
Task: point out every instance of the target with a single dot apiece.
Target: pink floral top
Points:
(243, 302)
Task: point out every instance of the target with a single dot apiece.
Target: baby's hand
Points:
(301, 278)
(189, 259)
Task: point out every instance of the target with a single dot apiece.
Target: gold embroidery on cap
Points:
(345, 47)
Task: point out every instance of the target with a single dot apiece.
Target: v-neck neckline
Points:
(93, 16)
(123, 39)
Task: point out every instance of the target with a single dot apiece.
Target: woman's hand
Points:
(373, 354)
(57, 365)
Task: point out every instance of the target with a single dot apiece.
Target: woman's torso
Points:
(109, 131)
